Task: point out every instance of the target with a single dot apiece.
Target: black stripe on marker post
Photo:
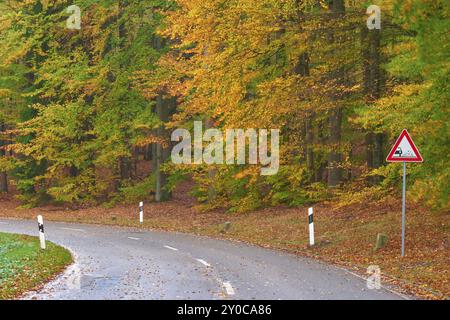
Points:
(40, 220)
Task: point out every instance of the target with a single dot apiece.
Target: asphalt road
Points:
(126, 263)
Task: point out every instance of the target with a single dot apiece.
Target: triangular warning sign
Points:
(404, 150)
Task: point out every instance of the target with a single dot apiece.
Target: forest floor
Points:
(345, 236)
(24, 266)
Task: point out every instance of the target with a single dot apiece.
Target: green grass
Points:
(24, 266)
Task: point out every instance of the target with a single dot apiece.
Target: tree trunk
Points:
(375, 39)
(160, 194)
(135, 162)
(320, 174)
(3, 182)
(302, 68)
(3, 174)
(164, 108)
(335, 157)
(153, 156)
(309, 139)
(335, 121)
(125, 168)
(148, 152)
(369, 149)
(373, 86)
(212, 194)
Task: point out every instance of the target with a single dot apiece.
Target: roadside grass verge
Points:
(24, 266)
(344, 236)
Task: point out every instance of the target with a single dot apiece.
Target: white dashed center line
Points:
(229, 288)
(171, 248)
(133, 238)
(72, 229)
(203, 262)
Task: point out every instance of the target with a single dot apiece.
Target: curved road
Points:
(126, 263)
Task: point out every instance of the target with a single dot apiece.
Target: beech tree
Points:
(82, 107)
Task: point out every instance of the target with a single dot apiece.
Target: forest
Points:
(87, 110)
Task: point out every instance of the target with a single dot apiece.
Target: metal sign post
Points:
(404, 208)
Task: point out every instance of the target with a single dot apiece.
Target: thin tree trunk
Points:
(302, 68)
(375, 40)
(335, 157)
(3, 182)
(321, 172)
(148, 152)
(378, 150)
(335, 122)
(212, 194)
(309, 139)
(164, 108)
(135, 162)
(3, 174)
(153, 157)
(125, 168)
(161, 178)
(373, 84)
(369, 149)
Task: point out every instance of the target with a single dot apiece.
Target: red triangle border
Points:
(417, 158)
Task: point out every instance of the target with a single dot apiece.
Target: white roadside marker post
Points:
(41, 231)
(141, 212)
(311, 226)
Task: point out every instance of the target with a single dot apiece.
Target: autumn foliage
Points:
(81, 109)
